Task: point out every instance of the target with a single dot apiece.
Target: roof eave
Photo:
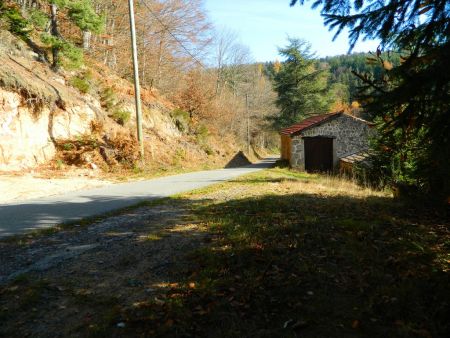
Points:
(332, 116)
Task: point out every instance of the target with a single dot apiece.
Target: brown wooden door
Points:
(318, 154)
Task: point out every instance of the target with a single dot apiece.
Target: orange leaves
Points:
(355, 324)
(387, 65)
(276, 66)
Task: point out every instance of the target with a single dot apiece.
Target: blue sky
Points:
(263, 25)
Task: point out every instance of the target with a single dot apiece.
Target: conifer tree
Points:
(411, 102)
(82, 14)
(43, 17)
(299, 84)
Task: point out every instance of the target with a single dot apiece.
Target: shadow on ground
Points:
(38, 216)
(272, 266)
(238, 160)
(311, 266)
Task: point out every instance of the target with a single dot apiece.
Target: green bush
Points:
(201, 134)
(179, 157)
(108, 98)
(182, 119)
(38, 18)
(121, 116)
(73, 56)
(18, 25)
(68, 146)
(207, 149)
(81, 84)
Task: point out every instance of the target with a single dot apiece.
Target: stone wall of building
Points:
(350, 135)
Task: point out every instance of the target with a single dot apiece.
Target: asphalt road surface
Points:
(21, 217)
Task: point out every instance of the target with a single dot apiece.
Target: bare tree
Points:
(228, 56)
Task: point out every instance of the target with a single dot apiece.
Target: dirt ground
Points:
(272, 254)
(62, 283)
(31, 185)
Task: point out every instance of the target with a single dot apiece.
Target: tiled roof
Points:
(309, 122)
(356, 157)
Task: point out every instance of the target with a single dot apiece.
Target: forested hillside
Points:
(341, 69)
(201, 79)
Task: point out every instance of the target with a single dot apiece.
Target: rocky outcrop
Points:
(27, 136)
(40, 113)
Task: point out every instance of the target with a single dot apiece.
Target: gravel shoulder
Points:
(76, 282)
(24, 187)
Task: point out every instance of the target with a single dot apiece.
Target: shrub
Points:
(207, 149)
(179, 157)
(181, 119)
(18, 25)
(201, 134)
(81, 84)
(38, 18)
(121, 116)
(108, 98)
(73, 56)
(68, 146)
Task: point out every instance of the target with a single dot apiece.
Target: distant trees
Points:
(228, 57)
(410, 102)
(300, 83)
(171, 36)
(342, 66)
(82, 14)
(205, 73)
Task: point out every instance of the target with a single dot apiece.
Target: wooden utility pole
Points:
(248, 124)
(137, 88)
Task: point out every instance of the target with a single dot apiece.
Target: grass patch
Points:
(308, 255)
(121, 116)
(288, 255)
(81, 84)
(154, 237)
(27, 292)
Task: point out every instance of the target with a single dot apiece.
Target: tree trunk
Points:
(87, 40)
(160, 60)
(55, 33)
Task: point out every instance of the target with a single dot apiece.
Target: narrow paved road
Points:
(20, 217)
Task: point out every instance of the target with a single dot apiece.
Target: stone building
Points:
(319, 142)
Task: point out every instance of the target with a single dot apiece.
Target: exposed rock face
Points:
(72, 122)
(38, 109)
(27, 136)
(349, 134)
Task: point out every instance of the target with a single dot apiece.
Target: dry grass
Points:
(284, 254)
(311, 256)
(282, 181)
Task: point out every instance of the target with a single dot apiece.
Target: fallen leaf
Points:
(286, 323)
(299, 324)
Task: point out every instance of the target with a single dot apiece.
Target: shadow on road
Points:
(22, 217)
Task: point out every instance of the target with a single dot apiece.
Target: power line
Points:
(173, 35)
